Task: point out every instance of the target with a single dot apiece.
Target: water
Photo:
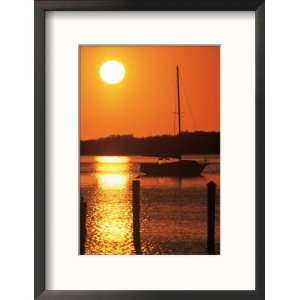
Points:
(173, 211)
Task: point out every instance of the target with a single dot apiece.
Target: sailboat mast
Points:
(178, 100)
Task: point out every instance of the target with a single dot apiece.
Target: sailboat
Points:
(180, 167)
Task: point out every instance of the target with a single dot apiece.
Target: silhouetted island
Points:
(198, 142)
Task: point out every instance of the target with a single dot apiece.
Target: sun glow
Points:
(112, 164)
(112, 72)
(112, 159)
(112, 181)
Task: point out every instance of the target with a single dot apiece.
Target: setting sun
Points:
(112, 72)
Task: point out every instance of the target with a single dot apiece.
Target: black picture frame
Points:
(41, 7)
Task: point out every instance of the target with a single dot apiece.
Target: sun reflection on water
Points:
(112, 165)
(109, 224)
(112, 159)
(112, 181)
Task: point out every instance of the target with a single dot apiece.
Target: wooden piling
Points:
(136, 216)
(211, 206)
(82, 226)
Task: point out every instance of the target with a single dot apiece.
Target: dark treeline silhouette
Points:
(198, 142)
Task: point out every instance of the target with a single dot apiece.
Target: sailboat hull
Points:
(182, 168)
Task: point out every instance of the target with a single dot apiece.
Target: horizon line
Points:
(149, 136)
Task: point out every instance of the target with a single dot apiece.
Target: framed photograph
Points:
(149, 150)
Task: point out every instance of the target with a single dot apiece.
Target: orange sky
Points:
(143, 103)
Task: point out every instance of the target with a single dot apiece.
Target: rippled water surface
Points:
(173, 210)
